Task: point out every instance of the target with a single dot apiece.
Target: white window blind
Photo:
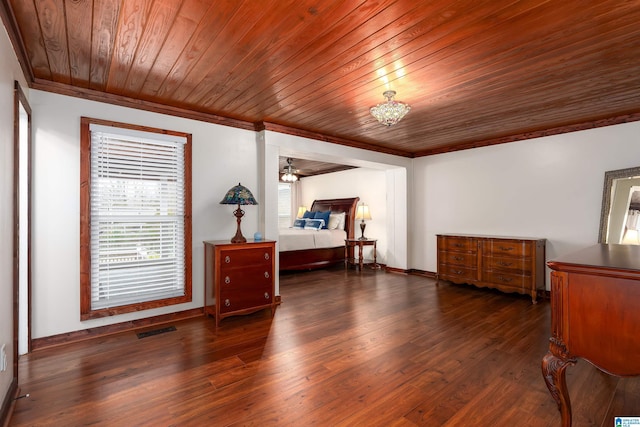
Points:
(137, 217)
(284, 205)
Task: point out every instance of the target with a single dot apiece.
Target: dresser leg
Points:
(553, 371)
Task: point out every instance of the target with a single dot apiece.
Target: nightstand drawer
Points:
(242, 258)
(235, 300)
(248, 277)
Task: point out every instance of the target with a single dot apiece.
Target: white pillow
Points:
(336, 221)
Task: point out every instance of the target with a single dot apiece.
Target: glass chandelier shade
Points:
(390, 112)
(289, 175)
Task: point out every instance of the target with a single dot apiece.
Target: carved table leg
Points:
(553, 370)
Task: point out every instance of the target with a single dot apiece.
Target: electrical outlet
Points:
(3, 358)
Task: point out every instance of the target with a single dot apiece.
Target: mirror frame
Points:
(609, 178)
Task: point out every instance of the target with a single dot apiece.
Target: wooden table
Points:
(595, 315)
(349, 253)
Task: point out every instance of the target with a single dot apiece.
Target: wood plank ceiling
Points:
(303, 167)
(475, 72)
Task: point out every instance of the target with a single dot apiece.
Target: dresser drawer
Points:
(233, 300)
(513, 248)
(507, 279)
(458, 258)
(459, 244)
(242, 258)
(248, 277)
(513, 265)
(458, 272)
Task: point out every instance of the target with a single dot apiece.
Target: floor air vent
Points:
(155, 332)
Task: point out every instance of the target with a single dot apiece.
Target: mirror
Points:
(620, 217)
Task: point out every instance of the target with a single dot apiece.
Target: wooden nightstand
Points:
(350, 256)
(239, 278)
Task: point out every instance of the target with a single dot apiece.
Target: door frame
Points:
(20, 100)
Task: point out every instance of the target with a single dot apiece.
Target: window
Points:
(135, 193)
(284, 205)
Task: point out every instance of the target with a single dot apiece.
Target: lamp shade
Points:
(363, 212)
(238, 195)
(301, 211)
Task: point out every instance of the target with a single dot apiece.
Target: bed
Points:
(302, 253)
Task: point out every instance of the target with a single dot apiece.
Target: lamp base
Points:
(362, 227)
(238, 238)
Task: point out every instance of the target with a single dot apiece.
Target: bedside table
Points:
(239, 278)
(349, 244)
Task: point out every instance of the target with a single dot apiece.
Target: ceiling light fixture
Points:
(390, 112)
(289, 175)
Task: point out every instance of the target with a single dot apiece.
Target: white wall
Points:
(546, 187)
(9, 72)
(222, 156)
(368, 184)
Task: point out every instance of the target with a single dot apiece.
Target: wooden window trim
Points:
(86, 312)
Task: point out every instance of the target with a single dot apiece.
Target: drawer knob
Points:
(227, 259)
(457, 272)
(458, 258)
(266, 274)
(506, 248)
(504, 264)
(266, 255)
(505, 279)
(266, 295)
(227, 303)
(458, 245)
(227, 280)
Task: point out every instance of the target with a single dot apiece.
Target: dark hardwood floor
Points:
(344, 348)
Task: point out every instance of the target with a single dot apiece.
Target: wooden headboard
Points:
(348, 206)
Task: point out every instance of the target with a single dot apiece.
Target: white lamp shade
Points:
(363, 212)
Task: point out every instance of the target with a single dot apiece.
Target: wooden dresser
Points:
(595, 296)
(239, 277)
(510, 264)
